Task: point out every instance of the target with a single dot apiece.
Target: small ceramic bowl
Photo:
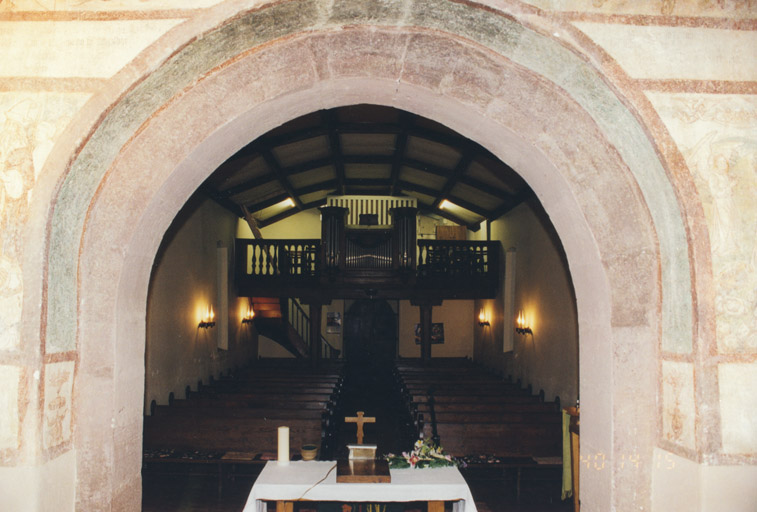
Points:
(309, 451)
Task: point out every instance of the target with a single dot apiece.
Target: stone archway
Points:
(568, 134)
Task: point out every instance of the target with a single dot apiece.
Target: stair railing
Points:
(300, 320)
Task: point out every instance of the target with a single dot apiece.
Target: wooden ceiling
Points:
(366, 150)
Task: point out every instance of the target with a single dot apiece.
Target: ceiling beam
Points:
(335, 145)
(473, 226)
(276, 168)
(475, 183)
(360, 159)
(315, 187)
(283, 215)
(462, 165)
(248, 185)
(231, 206)
(295, 136)
(262, 205)
(458, 142)
(451, 198)
(427, 167)
(400, 144)
(511, 203)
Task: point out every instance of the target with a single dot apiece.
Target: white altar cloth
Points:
(293, 482)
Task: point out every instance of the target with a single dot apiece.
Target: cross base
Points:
(362, 451)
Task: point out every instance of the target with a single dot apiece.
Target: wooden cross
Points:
(360, 419)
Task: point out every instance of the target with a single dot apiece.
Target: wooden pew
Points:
(271, 413)
(252, 395)
(515, 439)
(482, 399)
(478, 412)
(514, 416)
(234, 420)
(483, 407)
(206, 433)
(231, 400)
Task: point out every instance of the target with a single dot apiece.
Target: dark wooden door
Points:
(370, 332)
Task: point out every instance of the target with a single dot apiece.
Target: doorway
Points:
(370, 332)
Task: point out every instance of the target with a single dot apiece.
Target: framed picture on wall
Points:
(333, 322)
(437, 333)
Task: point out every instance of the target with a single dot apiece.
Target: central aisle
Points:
(371, 388)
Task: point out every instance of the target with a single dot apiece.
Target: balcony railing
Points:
(454, 258)
(283, 259)
(449, 268)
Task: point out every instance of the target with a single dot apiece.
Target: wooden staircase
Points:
(271, 322)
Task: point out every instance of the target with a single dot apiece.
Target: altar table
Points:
(299, 481)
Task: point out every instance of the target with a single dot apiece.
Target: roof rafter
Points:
(288, 213)
(335, 145)
(469, 176)
(473, 226)
(276, 168)
(462, 165)
(453, 199)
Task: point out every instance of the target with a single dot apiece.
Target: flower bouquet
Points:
(425, 454)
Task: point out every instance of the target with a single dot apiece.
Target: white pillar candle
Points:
(283, 446)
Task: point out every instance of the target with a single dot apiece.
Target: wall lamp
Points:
(521, 327)
(483, 319)
(248, 316)
(209, 320)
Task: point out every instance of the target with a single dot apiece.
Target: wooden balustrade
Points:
(455, 258)
(439, 268)
(278, 258)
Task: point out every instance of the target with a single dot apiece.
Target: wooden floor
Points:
(493, 490)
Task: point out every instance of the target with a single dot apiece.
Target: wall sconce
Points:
(248, 316)
(209, 320)
(483, 318)
(520, 325)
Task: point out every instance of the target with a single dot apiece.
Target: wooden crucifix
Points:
(360, 419)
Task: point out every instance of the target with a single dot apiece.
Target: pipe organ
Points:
(369, 233)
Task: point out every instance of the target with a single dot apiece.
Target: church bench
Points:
(465, 388)
(485, 412)
(481, 399)
(525, 439)
(478, 407)
(463, 376)
(244, 386)
(251, 395)
(487, 421)
(270, 413)
(495, 417)
(437, 362)
(284, 377)
(222, 434)
(231, 400)
(294, 365)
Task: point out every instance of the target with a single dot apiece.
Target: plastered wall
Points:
(458, 319)
(183, 286)
(548, 358)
